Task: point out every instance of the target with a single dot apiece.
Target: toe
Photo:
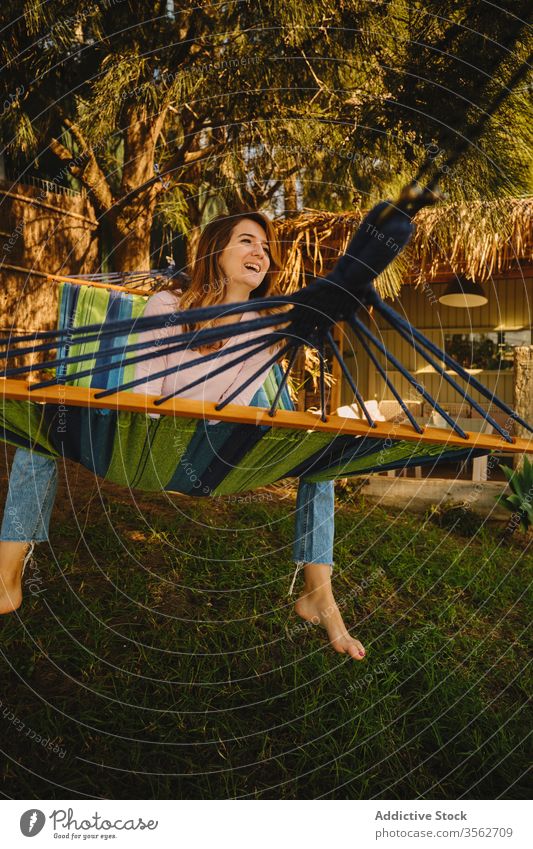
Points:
(356, 650)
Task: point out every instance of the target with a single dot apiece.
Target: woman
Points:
(238, 259)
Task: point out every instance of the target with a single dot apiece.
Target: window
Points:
(490, 351)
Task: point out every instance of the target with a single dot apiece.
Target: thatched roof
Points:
(479, 239)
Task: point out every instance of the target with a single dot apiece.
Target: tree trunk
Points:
(290, 197)
(131, 218)
(523, 392)
(130, 233)
(195, 228)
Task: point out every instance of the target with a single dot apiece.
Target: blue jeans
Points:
(33, 486)
(30, 498)
(315, 514)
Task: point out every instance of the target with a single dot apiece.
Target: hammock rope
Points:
(397, 321)
(283, 382)
(349, 378)
(359, 328)
(179, 342)
(453, 383)
(355, 324)
(221, 369)
(266, 341)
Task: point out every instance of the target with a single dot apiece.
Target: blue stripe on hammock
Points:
(285, 401)
(452, 455)
(68, 303)
(342, 450)
(232, 453)
(88, 436)
(13, 438)
(215, 450)
(119, 307)
(200, 455)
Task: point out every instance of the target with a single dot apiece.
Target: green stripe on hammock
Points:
(91, 308)
(25, 421)
(279, 451)
(146, 451)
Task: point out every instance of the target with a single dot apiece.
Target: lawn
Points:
(156, 655)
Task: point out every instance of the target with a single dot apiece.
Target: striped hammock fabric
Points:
(97, 343)
(186, 455)
(193, 457)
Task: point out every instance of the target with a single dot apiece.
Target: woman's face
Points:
(245, 260)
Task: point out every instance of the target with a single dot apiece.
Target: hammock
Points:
(86, 413)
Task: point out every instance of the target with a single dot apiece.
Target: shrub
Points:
(520, 502)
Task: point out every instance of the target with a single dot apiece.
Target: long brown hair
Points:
(208, 284)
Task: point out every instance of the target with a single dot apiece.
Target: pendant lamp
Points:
(464, 293)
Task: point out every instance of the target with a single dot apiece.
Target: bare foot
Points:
(317, 605)
(11, 565)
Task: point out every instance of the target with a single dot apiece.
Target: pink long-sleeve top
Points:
(213, 389)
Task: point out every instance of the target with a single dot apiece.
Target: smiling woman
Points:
(237, 260)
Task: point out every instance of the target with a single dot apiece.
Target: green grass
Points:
(162, 656)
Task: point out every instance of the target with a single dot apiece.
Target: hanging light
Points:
(463, 292)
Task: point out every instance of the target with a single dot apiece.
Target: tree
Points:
(176, 113)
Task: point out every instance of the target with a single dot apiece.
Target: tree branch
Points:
(89, 173)
(180, 160)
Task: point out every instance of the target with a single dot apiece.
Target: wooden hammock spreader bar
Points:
(113, 286)
(78, 396)
(131, 280)
(76, 280)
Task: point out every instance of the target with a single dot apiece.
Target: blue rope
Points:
(356, 323)
(142, 324)
(338, 356)
(265, 367)
(171, 345)
(322, 382)
(273, 337)
(283, 381)
(395, 319)
(453, 383)
(388, 382)
(217, 371)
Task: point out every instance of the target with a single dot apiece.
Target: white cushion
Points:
(352, 411)
(349, 412)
